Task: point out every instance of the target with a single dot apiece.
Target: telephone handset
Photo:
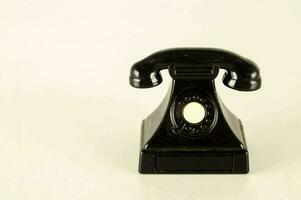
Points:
(241, 74)
(208, 140)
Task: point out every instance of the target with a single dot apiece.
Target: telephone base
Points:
(193, 162)
(195, 159)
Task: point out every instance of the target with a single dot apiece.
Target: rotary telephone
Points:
(192, 131)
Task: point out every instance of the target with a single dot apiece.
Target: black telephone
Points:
(192, 131)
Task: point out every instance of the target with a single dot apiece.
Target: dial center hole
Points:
(193, 112)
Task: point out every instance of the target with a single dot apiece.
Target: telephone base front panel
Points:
(193, 162)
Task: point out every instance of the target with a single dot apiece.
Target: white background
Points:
(70, 122)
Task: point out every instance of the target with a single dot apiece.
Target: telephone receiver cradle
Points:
(172, 144)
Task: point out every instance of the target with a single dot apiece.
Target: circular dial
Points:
(193, 114)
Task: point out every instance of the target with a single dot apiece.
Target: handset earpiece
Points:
(242, 81)
(144, 75)
(242, 75)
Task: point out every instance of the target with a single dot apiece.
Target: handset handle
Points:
(196, 63)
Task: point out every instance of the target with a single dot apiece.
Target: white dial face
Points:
(194, 112)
